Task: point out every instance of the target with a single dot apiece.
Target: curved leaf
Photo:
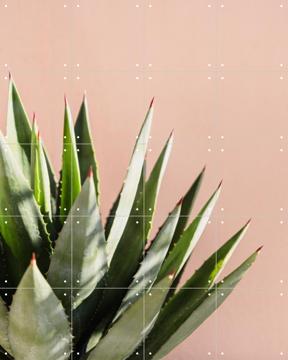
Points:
(182, 250)
(40, 181)
(187, 204)
(85, 148)
(70, 179)
(22, 228)
(127, 332)
(19, 137)
(18, 130)
(79, 259)
(130, 187)
(182, 315)
(148, 271)
(38, 327)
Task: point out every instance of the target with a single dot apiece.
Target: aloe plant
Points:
(92, 291)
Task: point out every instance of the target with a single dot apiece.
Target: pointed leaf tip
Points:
(220, 184)
(204, 168)
(33, 259)
(259, 249)
(180, 201)
(38, 135)
(65, 100)
(151, 103)
(9, 75)
(248, 222)
(90, 172)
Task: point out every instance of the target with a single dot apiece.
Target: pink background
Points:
(219, 72)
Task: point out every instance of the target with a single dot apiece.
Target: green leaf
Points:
(127, 332)
(79, 260)
(134, 238)
(179, 255)
(148, 271)
(137, 228)
(85, 148)
(19, 136)
(40, 181)
(18, 130)
(70, 179)
(4, 341)
(120, 272)
(181, 316)
(130, 187)
(38, 327)
(187, 204)
(22, 228)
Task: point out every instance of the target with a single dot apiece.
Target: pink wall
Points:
(219, 72)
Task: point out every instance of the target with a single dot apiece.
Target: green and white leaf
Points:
(70, 179)
(79, 260)
(85, 148)
(148, 271)
(181, 316)
(127, 332)
(40, 181)
(139, 223)
(18, 130)
(22, 228)
(187, 204)
(182, 250)
(130, 187)
(38, 327)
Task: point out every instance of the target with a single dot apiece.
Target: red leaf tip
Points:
(259, 249)
(220, 184)
(38, 135)
(90, 172)
(151, 103)
(204, 168)
(33, 259)
(9, 75)
(248, 222)
(180, 201)
(65, 100)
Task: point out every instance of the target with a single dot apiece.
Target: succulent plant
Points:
(91, 291)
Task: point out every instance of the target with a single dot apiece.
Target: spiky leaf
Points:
(18, 130)
(38, 327)
(148, 271)
(187, 204)
(22, 228)
(85, 148)
(130, 187)
(79, 259)
(181, 316)
(19, 136)
(182, 250)
(127, 332)
(70, 179)
(40, 181)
